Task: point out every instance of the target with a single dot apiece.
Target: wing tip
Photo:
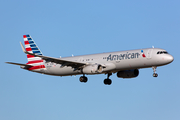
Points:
(23, 48)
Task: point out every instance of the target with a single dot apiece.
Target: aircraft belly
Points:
(132, 64)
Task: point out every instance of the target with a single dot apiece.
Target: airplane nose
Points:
(169, 58)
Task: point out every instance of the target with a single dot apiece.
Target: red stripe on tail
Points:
(36, 61)
(30, 56)
(26, 42)
(36, 67)
(28, 49)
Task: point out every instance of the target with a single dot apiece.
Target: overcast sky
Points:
(79, 27)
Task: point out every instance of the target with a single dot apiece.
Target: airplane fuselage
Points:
(114, 61)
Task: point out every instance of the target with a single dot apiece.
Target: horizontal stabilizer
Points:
(19, 64)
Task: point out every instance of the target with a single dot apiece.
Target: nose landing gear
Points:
(154, 70)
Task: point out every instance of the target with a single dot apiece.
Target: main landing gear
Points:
(154, 70)
(108, 81)
(83, 79)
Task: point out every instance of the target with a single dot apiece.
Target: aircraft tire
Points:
(107, 81)
(83, 79)
(155, 75)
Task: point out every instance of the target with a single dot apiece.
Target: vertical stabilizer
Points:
(31, 47)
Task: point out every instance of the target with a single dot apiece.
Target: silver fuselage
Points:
(114, 61)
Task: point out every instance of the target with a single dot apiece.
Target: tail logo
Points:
(31, 47)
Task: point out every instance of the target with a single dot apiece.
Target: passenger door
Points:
(149, 53)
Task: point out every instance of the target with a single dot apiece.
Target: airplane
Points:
(125, 63)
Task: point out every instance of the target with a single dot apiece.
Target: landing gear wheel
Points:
(155, 75)
(154, 70)
(83, 79)
(107, 81)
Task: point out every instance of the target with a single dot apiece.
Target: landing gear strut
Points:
(108, 81)
(154, 70)
(83, 79)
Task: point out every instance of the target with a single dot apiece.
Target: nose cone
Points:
(169, 58)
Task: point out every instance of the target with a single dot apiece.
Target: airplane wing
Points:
(19, 64)
(56, 60)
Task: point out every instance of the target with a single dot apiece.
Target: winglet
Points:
(24, 50)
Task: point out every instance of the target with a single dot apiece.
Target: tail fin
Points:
(31, 47)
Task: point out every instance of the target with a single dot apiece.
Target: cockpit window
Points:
(162, 52)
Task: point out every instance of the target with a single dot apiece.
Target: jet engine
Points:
(128, 73)
(92, 69)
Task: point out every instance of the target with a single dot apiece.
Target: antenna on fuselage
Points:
(152, 46)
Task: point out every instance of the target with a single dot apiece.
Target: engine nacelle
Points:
(92, 69)
(128, 73)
